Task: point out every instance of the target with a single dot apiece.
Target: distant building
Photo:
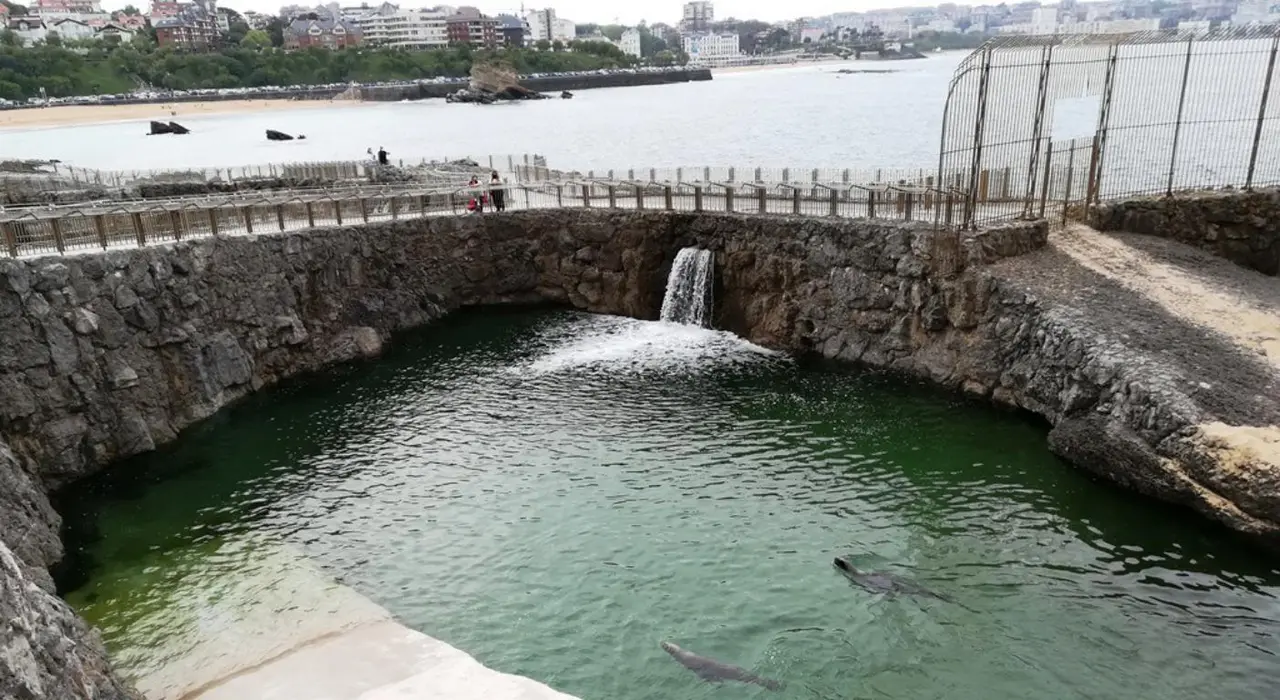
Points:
(1255, 12)
(811, 35)
(256, 20)
(697, 15)
(544, 25)
(326, 33)
(708, 49)
(193, 28)
(28, 29)
(469, 26)
(630, 42)
(72, 29)
(512, 31)
(115, 30)
(409, 27)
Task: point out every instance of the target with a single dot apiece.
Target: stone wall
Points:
(1241, 226)
(107, 355)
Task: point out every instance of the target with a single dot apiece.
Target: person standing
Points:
(497, 192)
(382, 156)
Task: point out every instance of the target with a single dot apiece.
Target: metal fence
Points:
(1074, 120)
(63, 178)
(108, 225)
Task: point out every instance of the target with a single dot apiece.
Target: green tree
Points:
(130, 11)
(256, 39)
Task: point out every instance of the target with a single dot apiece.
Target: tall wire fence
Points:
(1071, 121)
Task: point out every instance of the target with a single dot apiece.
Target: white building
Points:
(811, 35)
(630, 42)
(1252, 12)
(708, 49)
(407, 27)
(28, 29)
(72, 29)
(545, 26)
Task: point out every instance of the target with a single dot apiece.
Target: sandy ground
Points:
(67, 115)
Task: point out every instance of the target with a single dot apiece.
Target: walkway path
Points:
(1199, 332)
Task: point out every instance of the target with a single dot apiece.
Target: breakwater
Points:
(111, 354)
(396, 92)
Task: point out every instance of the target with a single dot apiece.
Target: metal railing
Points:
(1106, 117)
(69, 178)
(108, 225)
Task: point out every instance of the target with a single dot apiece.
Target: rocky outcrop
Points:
(108, 355)
(1239, 225)
(46, 651)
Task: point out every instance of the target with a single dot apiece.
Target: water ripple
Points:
(556, 493)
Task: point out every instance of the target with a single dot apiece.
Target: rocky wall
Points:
(1241, 226)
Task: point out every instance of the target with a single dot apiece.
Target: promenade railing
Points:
(114, 224)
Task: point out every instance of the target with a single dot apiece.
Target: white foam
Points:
(627, 345)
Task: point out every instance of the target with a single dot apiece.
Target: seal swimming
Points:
(883, 582)
(714, 671)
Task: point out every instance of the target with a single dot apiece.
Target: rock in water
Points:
(176, 128)
(566, 95)
(160, 128)
(273, 135)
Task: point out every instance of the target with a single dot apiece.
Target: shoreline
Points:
(81, 115)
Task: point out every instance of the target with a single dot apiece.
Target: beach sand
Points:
(67, 115)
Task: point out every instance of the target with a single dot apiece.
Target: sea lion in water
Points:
(714, 671)
(883, 582)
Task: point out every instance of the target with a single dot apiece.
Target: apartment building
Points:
(630, 42)
(408, 27)
(697, 15)
(326, 33)
(513, 32)
(193, 28)
(544, 25)
(707, 49)
(469, 26)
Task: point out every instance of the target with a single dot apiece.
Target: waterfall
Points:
(689, 287)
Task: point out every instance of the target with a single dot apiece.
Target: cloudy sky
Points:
(608, 11)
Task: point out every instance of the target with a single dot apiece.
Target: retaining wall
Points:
(1241, 226)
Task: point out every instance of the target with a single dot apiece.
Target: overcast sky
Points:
(606, 11)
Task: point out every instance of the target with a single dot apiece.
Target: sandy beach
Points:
(67, 115)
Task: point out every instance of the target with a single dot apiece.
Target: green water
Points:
(556, 493)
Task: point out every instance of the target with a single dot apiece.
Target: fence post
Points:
(1177, 122)
(871, 204)
(666, 197)
(728, 199)
(1262, 113)
(979, 126)
(613, 197)
(423, 202)
(835, 202)
(908, 206)
(639, 198)
(697, 198)
(1037, 128)
(1098, 152)
(247, 213)
(100, 225)
(139, 229)
(1066, 197)
(213, 221)
(280, 215)
(10, 239)
(1048, 160)
(364, 209)
(57, 234)
(311, 216)
(395, 208)
(559, 195)
(795, 201)
(762, 194)
(586, 196)
(176, 222)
